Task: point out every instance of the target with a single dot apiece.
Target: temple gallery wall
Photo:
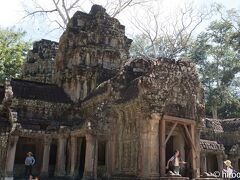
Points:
(87, 110)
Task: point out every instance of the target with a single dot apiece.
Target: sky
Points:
(13, 11)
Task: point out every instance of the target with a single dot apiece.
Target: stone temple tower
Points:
(40, 63)
(91, 50)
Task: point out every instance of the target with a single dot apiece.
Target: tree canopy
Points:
(216, 55)
(13, 50)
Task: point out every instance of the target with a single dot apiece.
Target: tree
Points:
(13, 50)
(168, 37)
(64, 9)
(218, 64)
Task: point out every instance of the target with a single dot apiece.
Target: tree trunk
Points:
(214, 111)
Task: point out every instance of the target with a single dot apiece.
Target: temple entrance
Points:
(52, 158)
(101, 166)
(178, 134)
(212, 164)
(81, 155)
(177, 142)
(24, 146)
(169, 148)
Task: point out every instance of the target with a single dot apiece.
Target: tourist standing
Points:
(29, 162)
(176, 161)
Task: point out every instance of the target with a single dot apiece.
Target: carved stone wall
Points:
(40, 62)
(91, 50)
(127, 138)
(122, 107)
(3, 151)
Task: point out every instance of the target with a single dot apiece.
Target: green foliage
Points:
(13, 50)
(215, 54)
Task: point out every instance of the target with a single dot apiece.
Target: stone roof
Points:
(1, 93)
(231, 124)
(213, 124)
(210, 145)
(225, 125)
(38, 123)
(38, 91)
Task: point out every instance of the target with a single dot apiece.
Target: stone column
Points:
(46, 156)
(162, 147)
(60, 169)
(90, 167)
(144, 154)
(73, 156)
(198, 149)
(220, 162)
(154, 147)
(11, 157)
(85, 90)
(203, 167)
(78, 88)
(110, 154)
(150, 148)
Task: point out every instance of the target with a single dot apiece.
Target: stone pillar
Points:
(154, 148)
(150, 148)
(46, 156)
(11, 157)
(60, 169)
(73, 156)
(85, 89)
(78, 88)
(203, 162)
(145, 153)
(90, 168)
(220, 162)
(110, 154)
(198, 149)
(162, 148)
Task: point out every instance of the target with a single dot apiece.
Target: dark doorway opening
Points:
(212, 164)
(52, 159)
(101, 165)
(101, 153)
(169, 151)
(24, 146)
(81, 155)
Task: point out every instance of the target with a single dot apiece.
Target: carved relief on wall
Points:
(128, 142)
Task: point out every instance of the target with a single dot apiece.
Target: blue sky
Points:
(12, 11)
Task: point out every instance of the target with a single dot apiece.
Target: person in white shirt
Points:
(29, 162)
(228, 169)
(176, 161)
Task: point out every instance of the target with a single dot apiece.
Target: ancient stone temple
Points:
(220, 141)
(87, 110)
(40, 63)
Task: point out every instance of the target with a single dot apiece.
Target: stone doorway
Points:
(212, 164)
(178, 141)
(81, 155)
(25, 145)
(183, 131)
(169, 148)
(101, 165)
(52, 158)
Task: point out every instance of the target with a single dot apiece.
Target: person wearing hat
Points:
(29, 162)
(228, 169)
